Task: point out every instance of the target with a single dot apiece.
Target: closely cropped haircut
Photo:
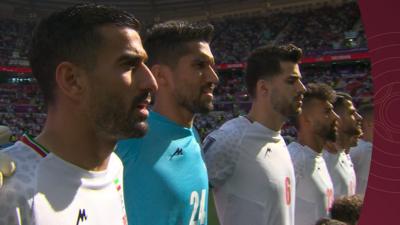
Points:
(327, 221)
(166, 42)
(71, 35)
(319, 91)
(347, 209)
(341, 98)
(366, 111)
(264, 63)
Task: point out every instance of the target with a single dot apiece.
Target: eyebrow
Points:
(202, 57)
(129, 57)
(294, 75)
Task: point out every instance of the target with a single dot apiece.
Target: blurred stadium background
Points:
(329, 31)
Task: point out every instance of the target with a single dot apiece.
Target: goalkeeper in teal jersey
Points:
(165, 178)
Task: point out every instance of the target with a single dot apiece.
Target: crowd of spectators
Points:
(232, 100)
(21, 108)
(14, 41)
(314, 30)
(324, 28)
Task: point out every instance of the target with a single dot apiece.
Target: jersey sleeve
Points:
(221, 154)
(298, 161)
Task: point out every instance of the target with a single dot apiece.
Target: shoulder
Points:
(297, 154)
(295, 150)
(115, 161)
(227, 137)
(232, 129)
(294, 147)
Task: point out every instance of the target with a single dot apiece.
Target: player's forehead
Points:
(290, 70)
(350, 106)
(319, 104)
(122, 41)
(200, 51)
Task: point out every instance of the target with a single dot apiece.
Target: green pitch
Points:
(212, 213)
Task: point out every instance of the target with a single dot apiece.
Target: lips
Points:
(208, 90)
(299, 100)
(144, 104)
(141, 103)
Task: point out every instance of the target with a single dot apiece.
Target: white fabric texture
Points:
(52, 191)
(342, 173)
(314, 188)
(361, 158)
(251, 173)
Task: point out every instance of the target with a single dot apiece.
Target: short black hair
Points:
(264, 63)
(319, 91)
(166, 42)
(341, 98)
(71, 35)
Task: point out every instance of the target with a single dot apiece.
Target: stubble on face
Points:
(112, 113)
(285, 98)
(192, 91)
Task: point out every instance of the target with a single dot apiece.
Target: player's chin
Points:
(332, 135)
(136, 130)
(296, 110)
(353, 141)
(206, 108)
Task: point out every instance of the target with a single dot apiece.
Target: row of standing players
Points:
(90, 64)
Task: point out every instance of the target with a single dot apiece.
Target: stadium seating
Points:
(317, 31)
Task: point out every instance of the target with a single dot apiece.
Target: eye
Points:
(291, 80)
(131, 64)
(200, 65)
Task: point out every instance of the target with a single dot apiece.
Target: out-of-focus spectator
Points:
(347, 209)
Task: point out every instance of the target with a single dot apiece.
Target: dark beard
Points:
(331, 136)
(197, 105)
(111, 121)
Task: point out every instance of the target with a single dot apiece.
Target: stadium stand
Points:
(328, 31)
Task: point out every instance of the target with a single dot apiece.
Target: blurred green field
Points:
(212, 213)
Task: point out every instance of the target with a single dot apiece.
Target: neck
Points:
(344, 142)
(367, 136)
(173, 111)
(331, 147)
(314, 141)
(269, 118)
(66, 136)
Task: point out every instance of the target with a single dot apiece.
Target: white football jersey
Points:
(314, 188)
(361, 158)
(342, 173)
(48, 190)
(252, 176)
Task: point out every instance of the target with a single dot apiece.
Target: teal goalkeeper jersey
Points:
(165, 178)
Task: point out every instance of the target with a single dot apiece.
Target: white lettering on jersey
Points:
(194, 200)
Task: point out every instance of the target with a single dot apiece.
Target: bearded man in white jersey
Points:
(316, 124)
(362, 153)
(89, 63)
(337, 156)
(248, 163)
